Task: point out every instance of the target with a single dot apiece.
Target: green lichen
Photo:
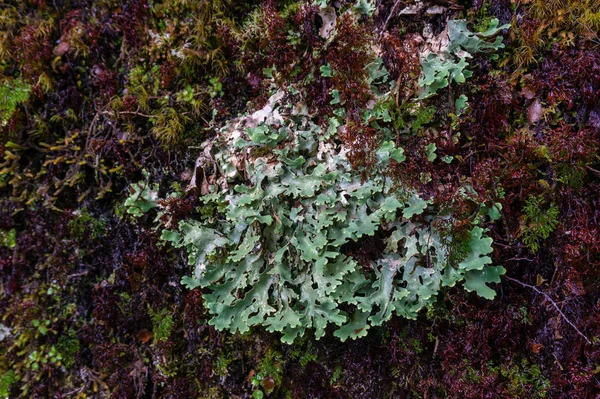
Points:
(274, 257)
(450, 65)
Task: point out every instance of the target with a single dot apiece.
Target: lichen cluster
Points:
(275, 255)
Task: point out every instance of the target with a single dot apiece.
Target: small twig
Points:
(597, 39)
(392, 12)
(437, 343)
(91, 132)
(593, 170)
(70, 276)
(133, 113)
(503, 245)
(549, 299)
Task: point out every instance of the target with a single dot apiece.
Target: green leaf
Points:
(270, 249)
(476, 280)
(461, 38)
(12, 94)
(460, 105)
(479, 248)
(200, 242)
(190, 283)
(439, 70)
(388, 151)
(142, 199)
(494, 28)
(172, 236)
(416, 206)
(336, 97)
(493, 211)
(326, 71)
(8, 238)
(251, 239)
(362, 223)
(262, 135)
(377, 72)
(430, 152)
(357, 328)
(365, 7)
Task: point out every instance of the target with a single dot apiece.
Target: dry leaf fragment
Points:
(144, 336)
(539, 280)
(528, 92)
(329, 17)
(536, 348)
(534, 113)
(62, 48)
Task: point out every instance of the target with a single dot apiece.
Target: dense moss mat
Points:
(97, 95)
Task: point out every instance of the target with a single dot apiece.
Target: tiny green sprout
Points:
(336, 97)
(326, 71)
(430, 152)
(216, 87)
(365, 7)
(8, 238)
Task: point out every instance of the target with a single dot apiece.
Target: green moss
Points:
(290, 8)
(336, 374)
(539, 221)
(8, 238)
(269, 374)
(571, 175)
(221, 364)
(6, 380)
(522, 314)
(12, 94)
(162, 324)
(422, 117)
(304, 352)
(524, 379)
(85, 226)
(68, 347)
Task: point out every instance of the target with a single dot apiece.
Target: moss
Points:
(86, 226)
(422, 117)
(8, 238)
(221, 363)
(162, 324)
(524, 379)
(304, 352)
(6, 380)
(68, 347)
(268, 377)
(12, 95)
(539, 221)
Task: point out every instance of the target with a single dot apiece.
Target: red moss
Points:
(305, 22)
(132, 20)
(401, 58)
(362, 142)
(570, 75)
(105, 81)
(272, 47)
(348, 54)
(33, 52)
